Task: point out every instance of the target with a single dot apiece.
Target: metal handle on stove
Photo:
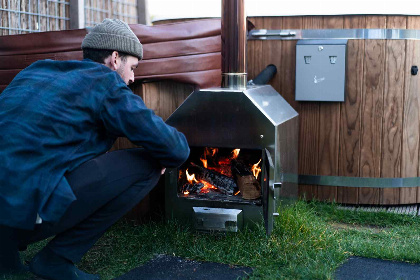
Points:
(276, 186)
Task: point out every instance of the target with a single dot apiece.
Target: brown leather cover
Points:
(188, 52)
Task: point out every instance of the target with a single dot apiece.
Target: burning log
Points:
(225, 184)
(248, 185)
(193, 188)
(240, 168)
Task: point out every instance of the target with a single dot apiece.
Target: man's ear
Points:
(113, 61)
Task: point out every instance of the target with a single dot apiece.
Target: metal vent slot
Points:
(217, 219)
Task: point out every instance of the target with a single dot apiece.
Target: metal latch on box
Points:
(217, 219)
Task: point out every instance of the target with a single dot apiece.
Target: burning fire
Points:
(222, 164)
(256, 170)
(191, 177)
(204, 161)
(235, 153)
(192, 180)
(207, 187)
(207, 152)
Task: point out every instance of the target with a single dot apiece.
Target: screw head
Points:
(320, 48)
(414, 70)
(261, 136)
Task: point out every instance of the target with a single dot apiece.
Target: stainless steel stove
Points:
(255, 120)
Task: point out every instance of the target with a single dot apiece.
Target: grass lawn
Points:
(310, 241)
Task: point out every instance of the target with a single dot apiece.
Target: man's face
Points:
(126, 68)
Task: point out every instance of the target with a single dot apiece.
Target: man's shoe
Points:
(10, 262)
(48, 265)
(9, 256)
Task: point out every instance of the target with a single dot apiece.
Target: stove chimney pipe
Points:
(234, 74)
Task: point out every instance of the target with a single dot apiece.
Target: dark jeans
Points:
(106, 188)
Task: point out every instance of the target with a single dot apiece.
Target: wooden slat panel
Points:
(96, 16)
(271, 50)
(349, 156)
(61, 13)
(309, 129)
(396, 22)
(393, 109)
(12, 17)
(329, 121)
(4, 18)
(411, 122)
(372, 110)
(287, 70)
(51, 11)
(34, 19)
(87, 12)
(24, 18)
(43, 20)
(413, 22)
(255, 50)
(164, 97)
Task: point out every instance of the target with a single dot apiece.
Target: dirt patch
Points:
(343, 226)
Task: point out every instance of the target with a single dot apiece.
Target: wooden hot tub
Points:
(375, 132)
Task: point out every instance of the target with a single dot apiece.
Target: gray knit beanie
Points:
(113, 35)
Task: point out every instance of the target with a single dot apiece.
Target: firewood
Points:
(240, 168)
(225, 184)
(194, 188)
(248, 185)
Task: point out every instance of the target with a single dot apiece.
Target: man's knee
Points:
(150, 181)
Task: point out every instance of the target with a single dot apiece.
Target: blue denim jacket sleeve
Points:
(124, 114)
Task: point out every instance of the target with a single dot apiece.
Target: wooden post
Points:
(77, 14)
(142, 13)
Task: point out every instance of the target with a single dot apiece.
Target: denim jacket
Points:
(54, 116)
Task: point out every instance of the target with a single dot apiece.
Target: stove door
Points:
(270, 193)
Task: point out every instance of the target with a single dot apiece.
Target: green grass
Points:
(309, 241)
(377, 235)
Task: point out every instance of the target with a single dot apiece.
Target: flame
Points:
(207, 151)
(235, 153)
(207, 187)
(256, 170)
(225, 161)
(191, 177)
(204, 161)
(214, 151)
(186, 192)
(237, 192)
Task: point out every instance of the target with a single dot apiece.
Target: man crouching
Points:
(58, 120)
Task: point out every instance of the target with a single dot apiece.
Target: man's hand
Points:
(163, 171)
